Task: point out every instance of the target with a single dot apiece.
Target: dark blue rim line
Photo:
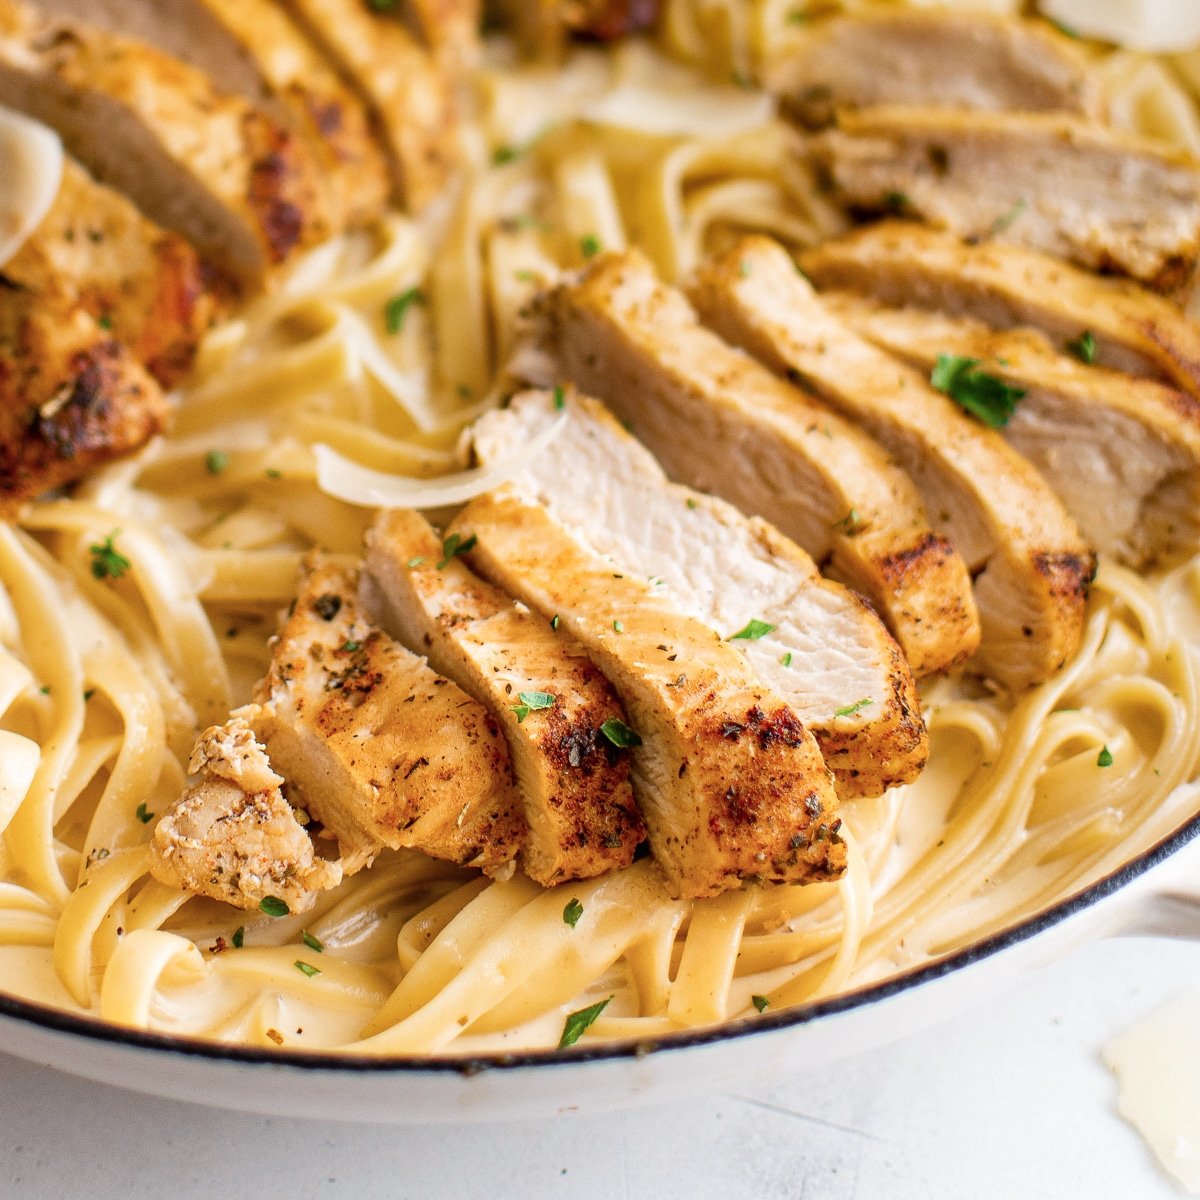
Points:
(308, 1061)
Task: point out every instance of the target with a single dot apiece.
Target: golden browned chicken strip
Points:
(730, 783)
(898, 262)
(1028, 562)
(242, 189)
(1092, 432)
(721, 422)
(937, 56)
(536, 681)
(811, 641)
(232, 835)
(382, 750)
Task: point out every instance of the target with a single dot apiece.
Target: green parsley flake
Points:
(850, 522)
(306, 968)
(1002, 223)
(350, 647)
(215, 461)
(760, 1002)
(577, 1023)
(313, 943)
(786, 660)
(560, 398)
(618, 627)
(273, 473)
(142, 814)
(417, 561)
(239, 937)
(573, 912)
(555, 622)
(691, 503)
(397, 308)
(1105, 758)
(620, 734)
(982, 395)
(455, 545)
(524, 276)
(589, 245)
(273, 906)
(1084, 347)
(107, 562)
(532, 702)
(753, 630)
(505, 154)
(851, 709)
(895, 202)
(745, 267)
(104, 320)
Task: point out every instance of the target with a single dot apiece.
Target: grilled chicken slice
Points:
(578, 804)
(144, 284)
(238, 186)
(407, 93)
(966, 60)
(383, 751)
(1030, 566)
(254, 50)
(827, 654)
(1122, 453)
(71, 397)
(731, 785)
(1069, 188)
(901, 263)
(232, 835)
(721, 422)
(450, 28)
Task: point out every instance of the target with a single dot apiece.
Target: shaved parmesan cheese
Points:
(31, 166)
(1155, 26)
(347, 480)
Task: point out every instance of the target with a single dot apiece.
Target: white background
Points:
(1008, 1102)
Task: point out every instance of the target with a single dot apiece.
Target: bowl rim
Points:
(326, 1061)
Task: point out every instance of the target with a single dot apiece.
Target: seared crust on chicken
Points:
(238, 186)
(574, 785)
(1092, 432)
(1053, 183)
(730, 783)
(1000, 514)
(145, 285)
(825, 652)
(721, 422)
(232, 835)
(1003, 286)
(967, 60)
(383, 751)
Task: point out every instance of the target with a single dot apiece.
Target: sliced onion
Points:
(1154, 26)
(31, 167)
(347, 480)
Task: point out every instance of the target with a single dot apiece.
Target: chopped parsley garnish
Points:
(560, 398)
(760, 1002)
(982, 395)
(273, 906)
(1001, 223)
(142, 814)
(1065, 29)
(620, 734)
(350, 647)
(313, 943)
(577, 1023)
(107, 562)
(416, 561)
(215, 461)
(691, 503)
(239, 937)
(88, 693)
(44, 689)
(618, 627)
(786, 660)
(104, 320)
(745, 267)
(273, 473)
(895, 202)
(1105, 758)
(573, 912)
(524, 276)
(533, 702)
(505, 154)
(455, 545)
(306, 968)
(1084, 347)
(590, 245)
(752, 631)
(555, 622)
(850, 522)
(397, 308)
(851, 709)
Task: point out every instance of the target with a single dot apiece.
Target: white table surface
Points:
(1009, 1101)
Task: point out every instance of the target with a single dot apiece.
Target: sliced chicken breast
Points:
(253, 49)
(535, 680)
(1091, 432)
(970, 60)
(811, 641)
(731, 785)
(1053, 183)
(1030, 566)
(71, 397)
(206, 164)
(408, 94)
(902, 263)
(232, 835)
(450, 28)
(721, 422)
(145, 285)
(381, 750)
